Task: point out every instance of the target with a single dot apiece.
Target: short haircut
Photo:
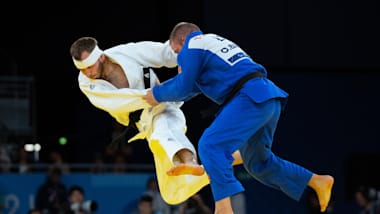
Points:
(76, 188)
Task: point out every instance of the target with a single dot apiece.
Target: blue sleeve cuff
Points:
(156, 93)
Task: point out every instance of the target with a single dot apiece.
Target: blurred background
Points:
(325, 54)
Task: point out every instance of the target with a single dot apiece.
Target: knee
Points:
(259, 166)
(208, 152)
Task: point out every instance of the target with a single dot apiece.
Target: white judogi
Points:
(164, 124)
(133, 57)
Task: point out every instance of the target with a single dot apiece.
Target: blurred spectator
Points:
(120, 163)
(58, 162)
(23, 161)
(368, 200)
(127, 150)
(51, 197)
(145, 205)
(5, 160)
(109, 155)
(159, 205)
(98, 165)
(34, 211)
(195, 205)
(78, 204)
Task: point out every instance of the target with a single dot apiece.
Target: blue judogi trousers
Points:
(248, 126)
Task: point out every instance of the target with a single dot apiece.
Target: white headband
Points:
(90, 60)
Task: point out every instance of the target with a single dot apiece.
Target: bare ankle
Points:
(317, 180)
(186, 156)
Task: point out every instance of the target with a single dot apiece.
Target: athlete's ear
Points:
(183, 38)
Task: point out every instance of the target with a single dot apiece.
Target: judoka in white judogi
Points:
(164, 126)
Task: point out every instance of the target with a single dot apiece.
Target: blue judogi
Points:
(212, 65)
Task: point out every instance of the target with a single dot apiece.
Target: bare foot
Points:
(186, 169)
(322, 184)
(237, 158)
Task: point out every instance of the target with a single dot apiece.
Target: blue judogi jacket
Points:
(212, 65)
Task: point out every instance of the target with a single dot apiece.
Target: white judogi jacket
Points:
(165, 122)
